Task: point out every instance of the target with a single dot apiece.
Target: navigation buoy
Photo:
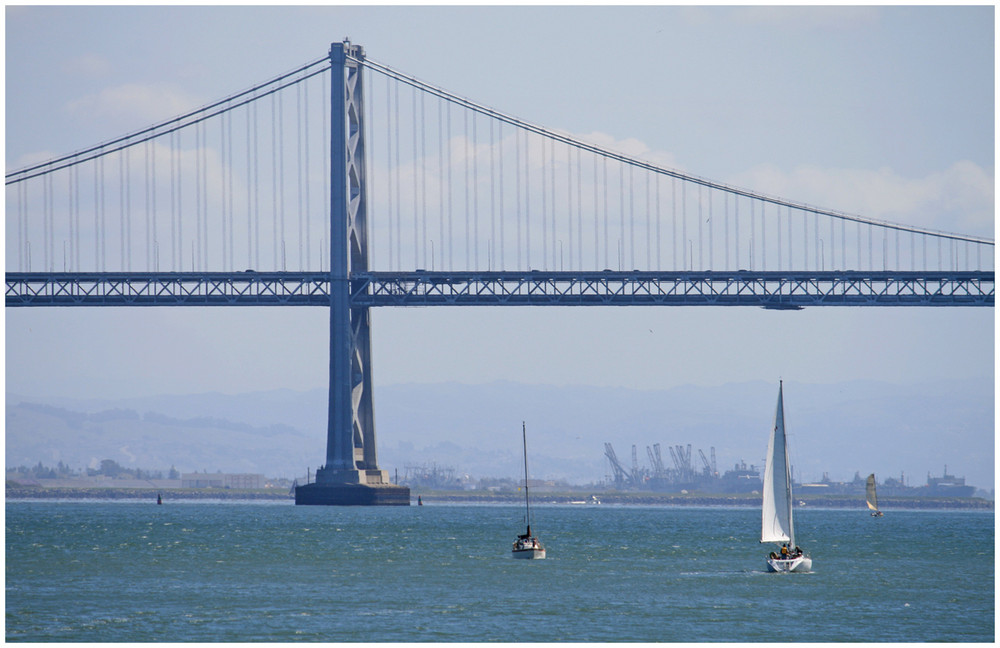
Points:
(159, 500)
(420, 502)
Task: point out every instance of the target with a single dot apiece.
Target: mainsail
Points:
(776, 511)
(870, 496)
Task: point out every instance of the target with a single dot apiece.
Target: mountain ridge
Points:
(837, 428)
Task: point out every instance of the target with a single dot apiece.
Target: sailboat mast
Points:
(788, 467)
(527, 510)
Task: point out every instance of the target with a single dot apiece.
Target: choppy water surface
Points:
(275, 572)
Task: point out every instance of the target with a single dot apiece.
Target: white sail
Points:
(870, 496)
(776, 511)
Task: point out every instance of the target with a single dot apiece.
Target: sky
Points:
(882, 111)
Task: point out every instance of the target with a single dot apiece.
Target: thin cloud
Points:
(88, 65)
(959, 198)
(133, 103)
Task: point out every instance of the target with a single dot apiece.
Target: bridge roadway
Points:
(770, 289)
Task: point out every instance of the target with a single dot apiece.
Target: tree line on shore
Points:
(107, 468)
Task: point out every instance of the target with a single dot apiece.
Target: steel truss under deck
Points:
(778, 290)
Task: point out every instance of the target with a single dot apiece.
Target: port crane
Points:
(622, 476)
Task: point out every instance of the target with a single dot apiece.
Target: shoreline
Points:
(581, 498)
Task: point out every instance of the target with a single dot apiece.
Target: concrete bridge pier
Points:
(351, 475)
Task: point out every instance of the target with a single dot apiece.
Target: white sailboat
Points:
(527, 545)
(870, 497)
(776, 509)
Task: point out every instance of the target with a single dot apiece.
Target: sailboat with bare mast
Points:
(527, 545)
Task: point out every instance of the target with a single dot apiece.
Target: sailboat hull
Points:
(528, 554)
(785, 565)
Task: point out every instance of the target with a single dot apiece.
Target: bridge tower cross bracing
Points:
(351, 474)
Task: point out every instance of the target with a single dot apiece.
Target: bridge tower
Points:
(351, 474)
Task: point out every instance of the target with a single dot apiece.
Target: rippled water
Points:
(114, 571)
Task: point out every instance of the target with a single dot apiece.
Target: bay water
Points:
(240, 572)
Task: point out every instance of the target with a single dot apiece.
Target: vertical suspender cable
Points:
(415, 212)
(502, 265)
(465, 132)
(778, 230)
(816, 235)
(711, 224)
(127, 238)
(569, 201)
(97, 220)
(493, 214)
(631, 217)
(172, 158)
(249, 204)
(475, 193)
(649, 229)
(597, 236)
(281, 178)
(579, 208)
(197, 195)
(223, 149)
(148, 205)
(256, 187)
(736, 224)
(180, 203)
(621, 212)
(305, 154)
(451, 252)
(684, 226)
(553, 204)
(298, 168)
(390, 167)
(156, 231)
(725, 239)
(423, 177)
(441, 172)
(229, 174)
(46, 179)
(805, 240)
(104, 222)
(545, 224)
(673, 219)
(833, 251)
(517, 194)
(763, 236)
(701, 237)
(607, 264)
(324, 116)
(399, 181)
(274, 182)
(659, 236)
(72, 231)
(527, 199)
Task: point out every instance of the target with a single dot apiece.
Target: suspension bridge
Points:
(348, 184)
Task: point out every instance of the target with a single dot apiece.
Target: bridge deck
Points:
(779, 290)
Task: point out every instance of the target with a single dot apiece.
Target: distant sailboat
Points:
(776, 508)
(527, 545)
(870, 497)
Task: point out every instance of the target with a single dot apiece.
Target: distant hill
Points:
(861, 426)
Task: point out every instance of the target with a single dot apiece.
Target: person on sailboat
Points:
(784, 550)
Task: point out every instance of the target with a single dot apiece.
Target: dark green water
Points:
(182, 572)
